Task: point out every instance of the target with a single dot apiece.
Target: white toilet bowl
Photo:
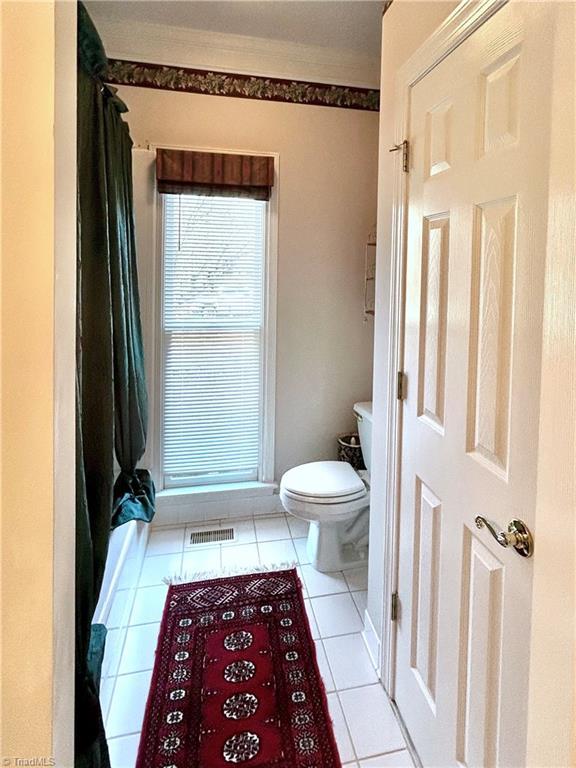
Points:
(331, 496)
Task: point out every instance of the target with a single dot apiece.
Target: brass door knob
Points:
(518, 535)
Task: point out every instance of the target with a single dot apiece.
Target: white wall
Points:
(406, 25)
(327, 207)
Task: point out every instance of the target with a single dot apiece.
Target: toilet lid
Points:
(323, 479)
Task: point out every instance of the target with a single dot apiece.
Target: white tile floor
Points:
(366, 730)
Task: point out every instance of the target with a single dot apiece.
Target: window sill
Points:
(219, 492)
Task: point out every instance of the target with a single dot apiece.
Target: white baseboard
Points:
(372, 641)
(174, 509)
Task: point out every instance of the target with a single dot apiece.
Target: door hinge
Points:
(400, 385)
(394, 607)
(405, 147)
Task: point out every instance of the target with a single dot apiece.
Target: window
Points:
(213, 339)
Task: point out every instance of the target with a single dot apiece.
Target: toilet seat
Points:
(327, 491)
(323, 482)
(330, 513)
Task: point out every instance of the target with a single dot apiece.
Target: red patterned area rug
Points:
(235, 679)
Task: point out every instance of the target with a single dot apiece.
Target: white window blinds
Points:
(213, 309)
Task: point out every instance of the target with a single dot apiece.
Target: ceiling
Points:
(353, 25)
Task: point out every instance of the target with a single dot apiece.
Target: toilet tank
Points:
(363, 413)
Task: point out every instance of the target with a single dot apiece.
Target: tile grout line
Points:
(348, 731)
(318, 639)
(321, 639)
(124, 736)
(383, 754)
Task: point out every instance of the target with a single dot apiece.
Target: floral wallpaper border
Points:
(168, 78)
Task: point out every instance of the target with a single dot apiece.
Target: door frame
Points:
(64, 329)
(556, 497)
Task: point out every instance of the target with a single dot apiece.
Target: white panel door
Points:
(476, 238)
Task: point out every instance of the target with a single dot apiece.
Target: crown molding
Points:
(243, 55)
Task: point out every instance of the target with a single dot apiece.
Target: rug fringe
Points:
(216, 573)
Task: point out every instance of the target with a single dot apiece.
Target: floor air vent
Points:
(212, 537)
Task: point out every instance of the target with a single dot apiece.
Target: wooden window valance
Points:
(212, 173)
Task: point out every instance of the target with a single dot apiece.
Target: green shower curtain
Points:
(110, 384)
(133, 490)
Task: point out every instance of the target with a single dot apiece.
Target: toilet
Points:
(335, 500)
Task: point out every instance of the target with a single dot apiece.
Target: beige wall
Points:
(37, 380)
(327, 206)
(406, 25)
(27, 376)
